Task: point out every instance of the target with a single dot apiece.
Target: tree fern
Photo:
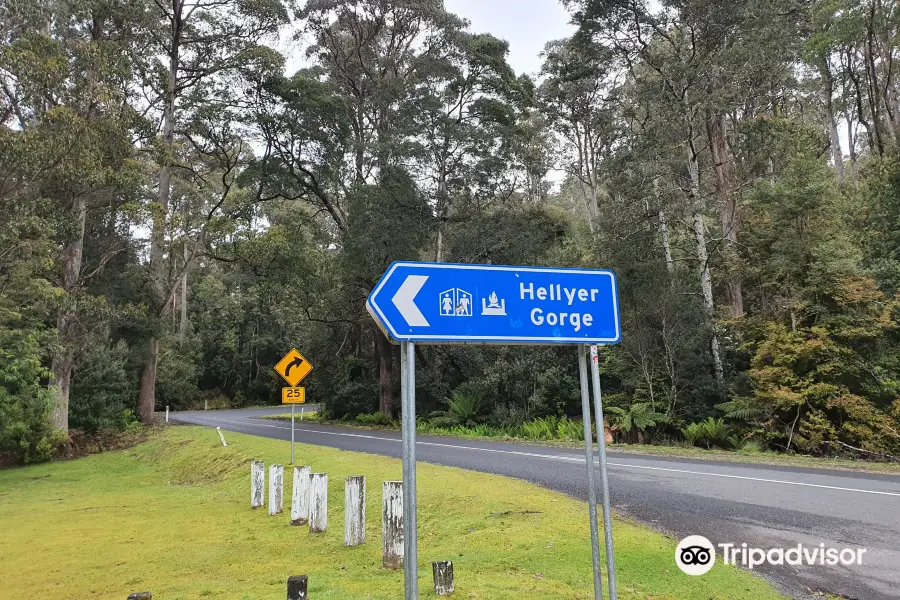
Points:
(741, 409)
(467, 408)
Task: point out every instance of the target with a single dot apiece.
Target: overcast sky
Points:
(526, 24)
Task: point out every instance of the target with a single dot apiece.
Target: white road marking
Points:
(575, 459)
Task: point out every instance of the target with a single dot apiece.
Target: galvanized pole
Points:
(589, 458)
(604, 481)
(292, 434)
(410, 530)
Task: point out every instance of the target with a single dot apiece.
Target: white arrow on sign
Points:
(405, 297)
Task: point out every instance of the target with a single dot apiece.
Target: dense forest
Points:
(178, 208)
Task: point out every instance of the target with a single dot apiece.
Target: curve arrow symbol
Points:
(405, 297)
(297, 362)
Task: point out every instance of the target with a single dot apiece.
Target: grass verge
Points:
(172, 515)
(738, 456)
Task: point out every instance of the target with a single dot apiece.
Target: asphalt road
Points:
(764, 506)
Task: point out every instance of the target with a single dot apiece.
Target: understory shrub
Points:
(709, 433)
(375, 419)
(465, 407)
(552, 428)
(539, 429)
(442, 421)
(355, 391)
(25, 430)
(102, 392)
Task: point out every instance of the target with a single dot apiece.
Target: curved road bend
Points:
(765, 506)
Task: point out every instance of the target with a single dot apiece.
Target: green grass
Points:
(173, 516)
(310, 415)
(675, 451)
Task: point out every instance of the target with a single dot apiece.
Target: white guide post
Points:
(257, 484)
(392, 525)
(276, 489)
(300, 496)
(318, 502)
(355, 510)
(443, 577)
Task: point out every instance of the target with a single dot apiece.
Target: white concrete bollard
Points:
(296, 587)
(221, 437)
(276, 489)
(300, 496)
(355, 510)
(167, 414)
(443, 577)
(318, 502)
(257, 484)
(392, 525)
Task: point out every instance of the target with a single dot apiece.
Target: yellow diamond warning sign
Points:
(293, 367)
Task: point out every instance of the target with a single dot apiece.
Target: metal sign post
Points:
(293, 368)
(604, 481)
(292, 396)
(410, 525)
(441, 303)
(589, 459)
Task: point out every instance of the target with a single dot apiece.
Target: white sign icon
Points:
(492, 306)
(695, 555)
(405, 300)
(456, 303)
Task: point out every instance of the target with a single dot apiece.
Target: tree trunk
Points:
(147, 395)
(62, 382)
(879, 95)
(147, 398)
(587, 205)
(385, 369)
(667, 248)
(595, 203)
(441, 209)
(873, 93)
(664, 230)
(703, 260)
(592, 175)
(66, 322)
(851, 144)
(837, 154)
(891, 105)
(183, 323)
(729, 213)
(581, 143)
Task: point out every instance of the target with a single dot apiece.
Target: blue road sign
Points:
(490, 304)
